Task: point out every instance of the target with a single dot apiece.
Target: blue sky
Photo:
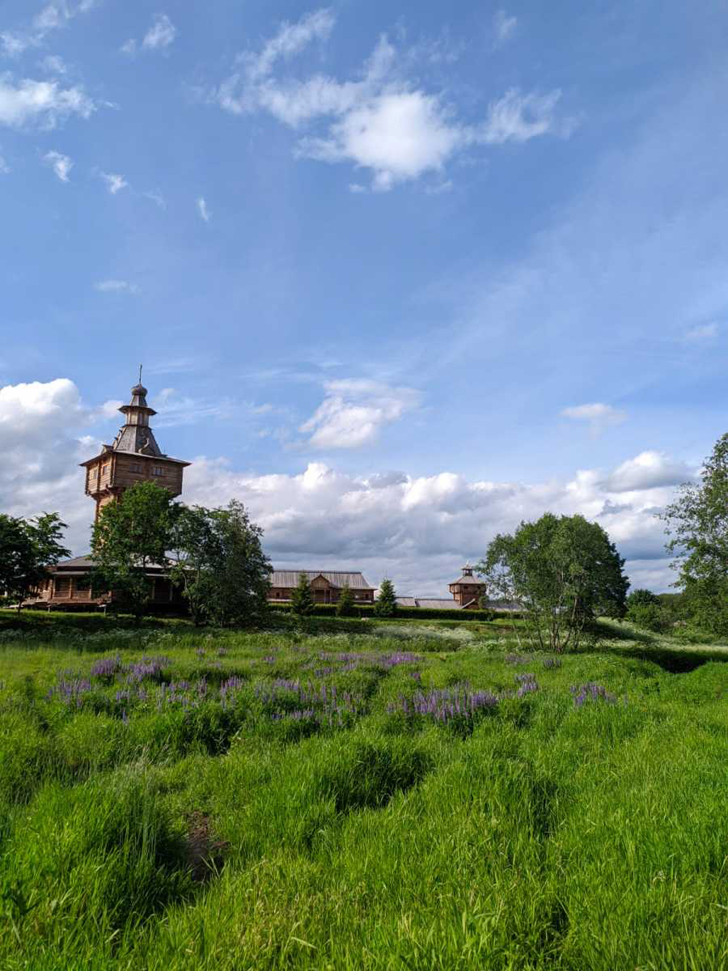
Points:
(400, 274)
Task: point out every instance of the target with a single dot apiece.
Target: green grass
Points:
(137, 833)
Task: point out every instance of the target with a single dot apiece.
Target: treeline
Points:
(561, 572)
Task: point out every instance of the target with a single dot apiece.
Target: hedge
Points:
(409, 613)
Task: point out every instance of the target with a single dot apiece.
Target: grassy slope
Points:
(550, 837)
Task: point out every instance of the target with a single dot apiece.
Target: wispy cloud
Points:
(51, 17)
(160, 36)
(116, 286)
(45, 103)
(598, 416)
(504, 26)
(702, 333)
(157, 198)
(4, 167)
(61, 164)
(115, 183)
(178, 409)
(382, 122)
(519, 117)
(203, 210)
(354, 411)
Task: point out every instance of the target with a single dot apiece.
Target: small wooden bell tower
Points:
(133, 457)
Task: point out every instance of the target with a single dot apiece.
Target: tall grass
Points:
(221, 806)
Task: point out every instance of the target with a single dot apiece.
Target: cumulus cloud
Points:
(45, 103)
(116, 286)
(114, 182)
(503, 26)
(598, 415)
(203, 210)
(415, 529)
(381, 122)
(159, 37)
(61, 164)
(354, 411)
(648, 470)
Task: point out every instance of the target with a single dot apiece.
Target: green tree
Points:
(220, 565)
(386, 605)
(27, 548)
(697, 522)
(641, 598)
(562, 571)
(302, 602)
(345, 605)
(129, 536)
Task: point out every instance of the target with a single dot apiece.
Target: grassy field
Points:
(358, 796)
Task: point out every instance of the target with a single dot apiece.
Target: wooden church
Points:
(133, 457)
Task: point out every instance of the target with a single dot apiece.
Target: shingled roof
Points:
(337, 578)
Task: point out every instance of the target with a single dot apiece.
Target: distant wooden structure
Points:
(133, 457)
(326, 585)
(466, 595)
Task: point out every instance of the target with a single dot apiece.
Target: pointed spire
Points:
(136, 435)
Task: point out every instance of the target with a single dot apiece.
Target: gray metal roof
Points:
(82, 564)
(433, 603)
(337, 578)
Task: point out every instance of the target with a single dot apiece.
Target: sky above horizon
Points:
(401, 275)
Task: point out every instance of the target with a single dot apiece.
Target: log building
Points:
(326, 585)
(134, 456)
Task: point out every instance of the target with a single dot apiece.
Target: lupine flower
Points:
(552, 662)
(445, 705)
(591, 692)
(106, 667)
(527, 683)
(516, 659)
(70, 690)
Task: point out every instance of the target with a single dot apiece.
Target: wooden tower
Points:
(466, 590)
(133, 457)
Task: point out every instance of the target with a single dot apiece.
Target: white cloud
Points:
(53, 64)
(116, 286)
(61, 164)
(159, 37)
(4, 167)
(43, 102)
(503, 26)
(51, 17)
(203, 210)
(702, 333)
(398, 136)
(598, 415)
(517, 118)
(179, 409)
(416, 529)
(157, 198)
(291, 39)
(648, 470)
(381, 122)
(161, 34)
(354, 411)
(115, 183)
